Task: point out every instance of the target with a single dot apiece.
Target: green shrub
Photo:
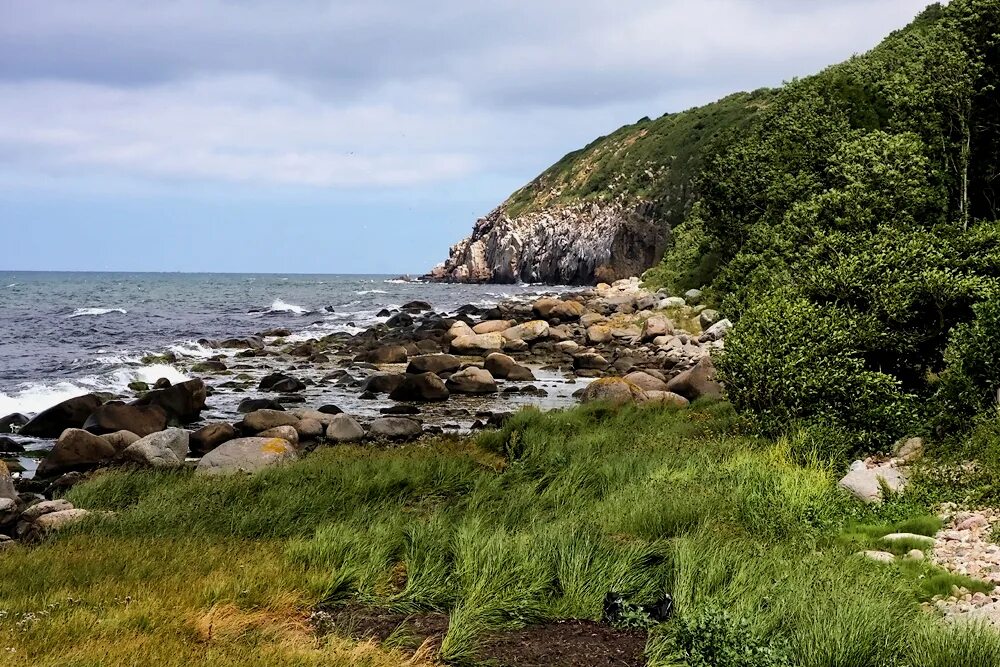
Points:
(971, 380)
(715, 638)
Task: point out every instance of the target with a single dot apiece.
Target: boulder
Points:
(646, 381)
(71, 413)
(708, 317)
(672, 302)
(543, 307)
(399, 320)
(246, 455)
(697, 382)
(310, 429)
(210, 436)
(589, 361)
(281, 432)
(692, 296)
(617, 391)
(7, 489)
(472, 380)
(12, 422)
(433, 363)
(717, 331)
(492, 326)
(877, 556)
(306, 414)
(166, 449)
(528, 332)
(396, 428)
(344, 428)
(656, 326)
(183, 401)
(598, 333)
(478, 343)
(55, 521)
(139, 419)
(566, 311)
(76, 449)
(261, 420)
(244, 343)
(10, 446)
(281, 383)
(382, 383)
(45, 507)
(417, 306)
(499, 364)
(387, 354)
(665, 398)
(420, 387)
(252, 404)
(865, 483)
(908, 449)
(121, 439)
(8, 511)
(590, 319)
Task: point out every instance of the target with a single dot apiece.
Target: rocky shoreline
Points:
(260, 399)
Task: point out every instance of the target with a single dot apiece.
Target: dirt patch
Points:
(565, 644)
(407, 631)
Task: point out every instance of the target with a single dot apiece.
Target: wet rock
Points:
(280, 383)
(421, 387)
(76, 449)
(139, 419)
(210, 436)
(246, 455)
(12, 422)
(244, 343)
(382, 383)
(183, 401)
(433, 363)
(344, 428)
(399, 320)
(330, 409)
(472, 380)
(396, 428)
(252, 404)
(400, 409)
(262, 420)
(207, 366)
(71, 413)
(616, 391)
(697, 382)
(387, 354)
(417, 306)
(10, 446)
(166, 449)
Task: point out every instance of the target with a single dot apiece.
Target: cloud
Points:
(380, 93)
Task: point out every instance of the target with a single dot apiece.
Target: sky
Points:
(347, 136)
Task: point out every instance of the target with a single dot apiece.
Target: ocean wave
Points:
(85, 312)
(192, 348)
(279, 306)
(33, 397)
(371, 291)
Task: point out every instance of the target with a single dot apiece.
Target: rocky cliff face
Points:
(578, 244)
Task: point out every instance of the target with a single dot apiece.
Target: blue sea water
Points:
(64, 333)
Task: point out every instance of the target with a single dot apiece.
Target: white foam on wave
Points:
(371, 291)
(32, 398)
(192, 348)
(279, 306)
(13, 285)
(85, 312)
(397, 281)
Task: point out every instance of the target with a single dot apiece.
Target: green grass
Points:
(538, 521)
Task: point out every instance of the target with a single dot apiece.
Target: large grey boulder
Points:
(613, 390)
(210, 436)
(396, 428)
(646, 381)
(55, 521)
(76, 449)
(246, 455)
(472, 380)
(166, 449)
(478, 343)
(422, 387)
(71, 413)
(865, 483)
(45, 507)
(262, 420)
(344, 428)
(139, 419)
(433, 363)
(697, 382)
(528, 332)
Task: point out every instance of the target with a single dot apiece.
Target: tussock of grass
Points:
(538, 521)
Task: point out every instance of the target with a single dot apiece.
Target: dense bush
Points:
(715, 638)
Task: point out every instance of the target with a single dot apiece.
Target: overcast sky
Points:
(346, 136)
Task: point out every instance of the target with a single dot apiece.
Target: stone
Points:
(382, 383)
(387, 354)
(910, 537)
(667, 398)
(12, 422)
(55, 521)
(244, 343)
(672, 302)
(399, 320)
(183, 402)
(543, 307)
(433, 363)
(908, 449)
(598, 334)
(288, 433)
(528, 332)
(76, 449)
(877, 556)
(71, 413)
(417, 306)
(590, 319)
(323, 418)
(514, 345)
(139, 419)
(915, 554)
(589, 361)
(280, 383)
(252, 404)
(166, 449)
(568, 346)
(492, 326)
(472, 380)
(121, 439)
(10, 446)
(692, 296)
(708, 317)
(864, 484)
(499, 364)
(8, 510)
(7, 489)
(697, 382)
(246, 455)
(717, 331)
(988, 615)
(646, 381)
(45, 507)
(261, 420)
(344, 428)
(421, 387)
(614, 390)
(396, 428)
(330, 410)
(656, 326)
(207, 366)
(210, 436)
(478, 343)
(310, 429)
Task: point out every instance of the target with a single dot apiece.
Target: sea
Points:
(67, 333)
